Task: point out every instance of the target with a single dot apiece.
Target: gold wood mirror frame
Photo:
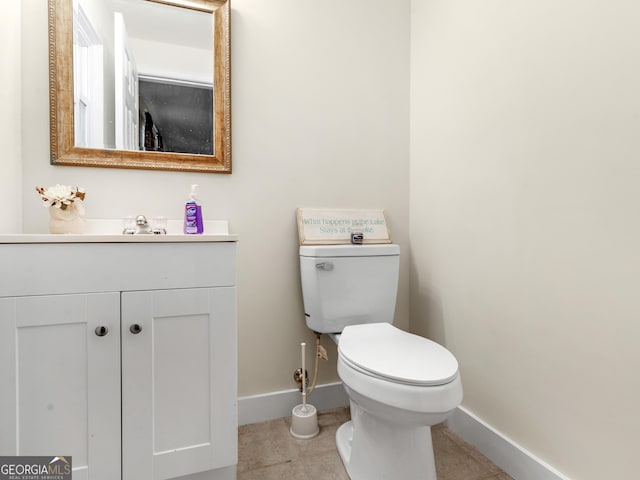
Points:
(61, 107)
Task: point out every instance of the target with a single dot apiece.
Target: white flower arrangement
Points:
(60, 196)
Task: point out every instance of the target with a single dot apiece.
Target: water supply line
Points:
(321, 354)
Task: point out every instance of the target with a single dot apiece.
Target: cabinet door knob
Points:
(135, 328)
(101, 331)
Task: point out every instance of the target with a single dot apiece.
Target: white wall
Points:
(524, 218)
(320, 119)
(10, 119)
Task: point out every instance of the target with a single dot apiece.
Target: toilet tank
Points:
(348, 284)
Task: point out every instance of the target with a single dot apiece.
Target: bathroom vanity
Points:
(120, 352)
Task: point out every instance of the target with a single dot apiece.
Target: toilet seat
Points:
(383, 351)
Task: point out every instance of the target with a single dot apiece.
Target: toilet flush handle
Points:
(325, 266)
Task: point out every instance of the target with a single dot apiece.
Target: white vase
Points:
(70, 220)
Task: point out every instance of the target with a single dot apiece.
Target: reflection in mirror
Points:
(150, 84)
(124, 59)
(176, 117)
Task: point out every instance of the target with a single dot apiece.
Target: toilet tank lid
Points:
(399, 356)
(366, 250)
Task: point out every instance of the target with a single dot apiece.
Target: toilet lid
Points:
(385, 351)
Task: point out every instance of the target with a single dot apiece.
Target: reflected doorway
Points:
(176, 116)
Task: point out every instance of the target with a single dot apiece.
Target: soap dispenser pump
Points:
(193, 214)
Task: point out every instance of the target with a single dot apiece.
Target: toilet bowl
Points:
(399, 385)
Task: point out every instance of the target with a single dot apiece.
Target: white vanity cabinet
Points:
(121, 355)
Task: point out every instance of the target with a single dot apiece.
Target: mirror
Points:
(142, 84)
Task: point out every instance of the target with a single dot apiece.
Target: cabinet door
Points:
(60, 391)
(179, 387)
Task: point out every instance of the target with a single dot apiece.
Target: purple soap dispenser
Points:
(193, 214)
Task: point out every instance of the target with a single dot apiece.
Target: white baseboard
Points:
(506, 454)
(269, 406)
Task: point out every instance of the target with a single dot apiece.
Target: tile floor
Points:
(267, 451)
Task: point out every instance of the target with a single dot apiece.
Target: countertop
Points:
(109, 231)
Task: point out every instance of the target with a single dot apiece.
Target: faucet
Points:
(142, 227)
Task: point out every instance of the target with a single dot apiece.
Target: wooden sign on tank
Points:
(320, 226)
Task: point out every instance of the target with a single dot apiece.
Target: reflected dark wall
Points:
(182, 116)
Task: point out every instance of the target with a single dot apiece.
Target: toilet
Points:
(399, 384)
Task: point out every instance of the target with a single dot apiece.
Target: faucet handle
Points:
(128, 225)
(159, 225)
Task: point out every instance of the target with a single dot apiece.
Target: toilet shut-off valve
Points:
(321, 354)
